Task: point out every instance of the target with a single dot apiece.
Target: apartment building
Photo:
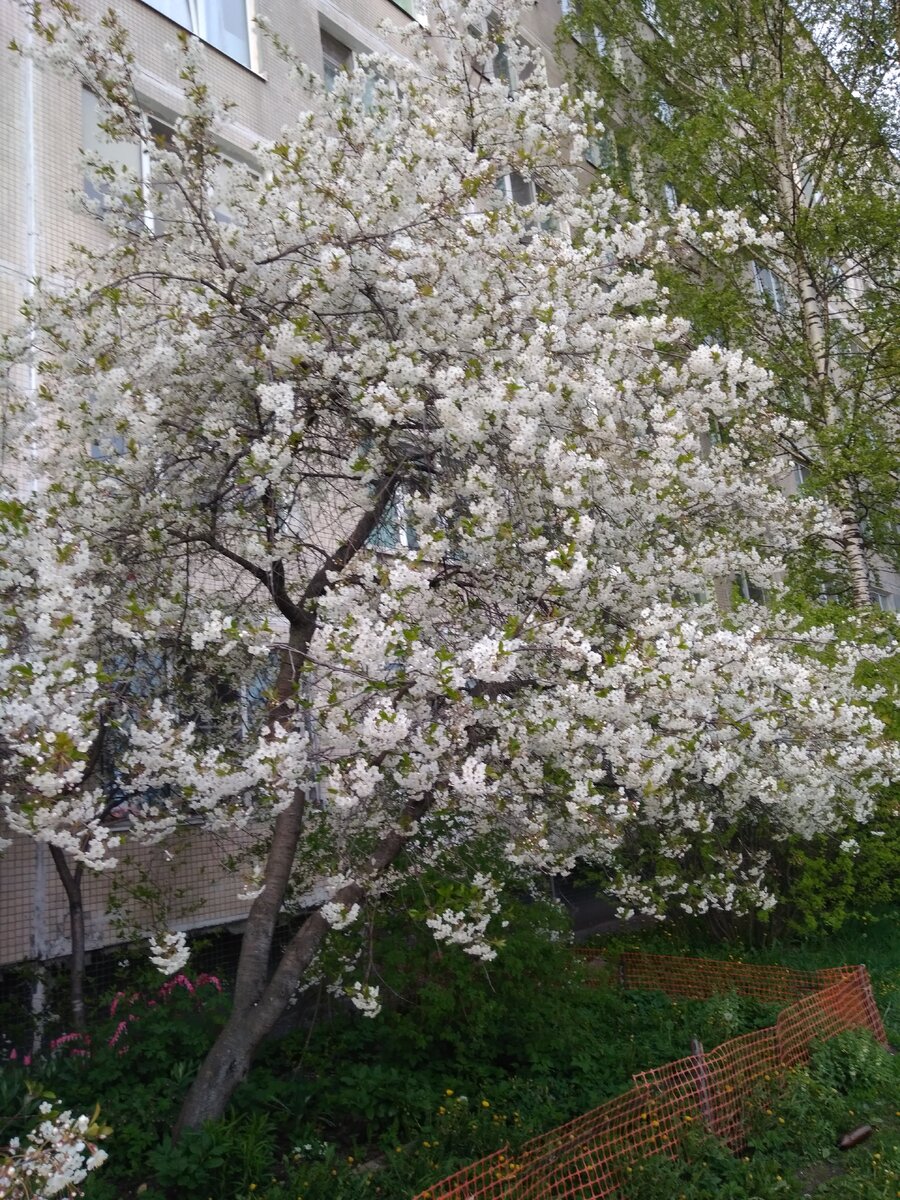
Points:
(47, 121)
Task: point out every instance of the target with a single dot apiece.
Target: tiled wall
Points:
(188, 883)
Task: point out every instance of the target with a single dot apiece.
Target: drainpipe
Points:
(29, 182)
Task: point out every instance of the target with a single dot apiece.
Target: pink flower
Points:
(65, 1038)
(120, 1029)
(120, 996)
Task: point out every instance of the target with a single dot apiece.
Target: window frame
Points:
(769, 287)
(487, 66)
(346, 63)
(885, 600)
(156, 126)
(415, 9)
(751, 592)
(572, 8)
(199, 27)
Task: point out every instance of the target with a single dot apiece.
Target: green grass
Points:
(873, 940)
(467, 1058)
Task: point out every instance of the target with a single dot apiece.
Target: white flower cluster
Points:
(467, 928)
(169, 952)
(365, 997)
(55, 1160)
(467, 523)
(339, 916)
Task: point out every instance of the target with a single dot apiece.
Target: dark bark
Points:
(71, 881)
(256, 944)
(261, 993)
(231, 1056)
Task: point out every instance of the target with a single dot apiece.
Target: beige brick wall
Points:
(187, 882)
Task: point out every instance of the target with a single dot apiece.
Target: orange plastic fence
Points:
(701, 978)
(590, 1158)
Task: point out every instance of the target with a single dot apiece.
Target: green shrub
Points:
(853, 1062)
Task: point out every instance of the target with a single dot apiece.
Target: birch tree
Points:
(787, 112)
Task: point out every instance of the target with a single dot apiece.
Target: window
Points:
(601, 152)
(336, 57)
(769, 286)
(415, 9)
(665, 112)
(807, 181)
(607, 152)
(132, 157)
(500, 66)
(135, 158)
(123, 158)
(224, 24)
(749, 590)
(572, 8)
(516, 189)
(886, 601)
(109, 448)
(394, 531)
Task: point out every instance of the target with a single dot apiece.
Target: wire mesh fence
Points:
(589, 1157)
(191, 882)
(703, 978)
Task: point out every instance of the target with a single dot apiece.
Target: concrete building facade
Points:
(47, 121)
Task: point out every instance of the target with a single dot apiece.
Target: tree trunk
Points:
(227, 1063)
(231, 1056)
(826, 377)
(256, 944)
(71, 881)
(857, 562)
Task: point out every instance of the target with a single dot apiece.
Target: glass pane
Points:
(522, 188)
(175, 10)
(501, 65)
(225, 26)
(162, 191)
(332, 71)
(336, 57)
(600, 152)
(96, 142)
(386, 535)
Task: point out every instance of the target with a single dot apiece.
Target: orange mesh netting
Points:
(701, 978)
(590, 1157)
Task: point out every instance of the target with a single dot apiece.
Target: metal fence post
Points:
(703, 1093)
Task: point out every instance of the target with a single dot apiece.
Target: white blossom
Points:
(169, 952)
(55, 1158)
